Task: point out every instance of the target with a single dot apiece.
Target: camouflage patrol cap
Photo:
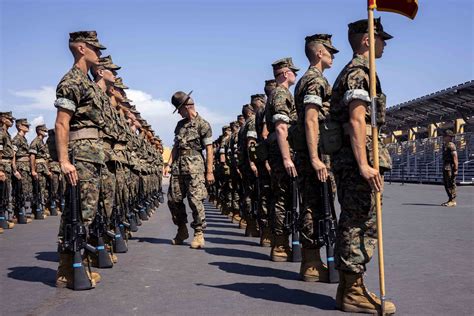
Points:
(42, 127)
(261, 97)
(89, 37)
(8, 115)
(324, 39)
(225, 127)
(247, 106)
(119, 83)
(179, 99)
(448, 132)
(22, 121)
(362, 27)
(107, 63)
(234, 124)
(284, 63)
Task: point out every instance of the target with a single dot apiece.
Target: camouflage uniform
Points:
(356, 231)
(77, 93)
(39, 148)
(187, 171)
(6, 156)
(57, 185)
(21, 148)
(312, 88)
(248, 177)
(226, 181)
(449, 178)
(235, 177)
(280, 107)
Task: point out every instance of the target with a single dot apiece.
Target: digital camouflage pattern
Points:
(39, 148)
(21, 148)
(6, 155)
(356, 231)
(449, 178)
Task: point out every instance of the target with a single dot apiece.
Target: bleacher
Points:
(421, 161)
(416, 156)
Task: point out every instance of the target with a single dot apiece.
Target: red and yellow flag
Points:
(408, 8)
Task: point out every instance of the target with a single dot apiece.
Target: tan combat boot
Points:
(357, 299)
(1, 230)
(451, 203)
(236, 218)
(280, 249)
(266, 237)
(65, 273)
(10, 225)
(46, 212)
(181, 235)
(198, 241)
(242, 224)
(312, 268)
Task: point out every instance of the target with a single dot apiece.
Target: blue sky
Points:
(220, 49)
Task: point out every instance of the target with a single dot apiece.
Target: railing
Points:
(463, 172)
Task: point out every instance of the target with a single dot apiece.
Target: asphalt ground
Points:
(428, 253)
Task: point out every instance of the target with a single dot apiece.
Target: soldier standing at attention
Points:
(192, 135)
(39, 163)
(280, 115)
(356, 179)
(312, 97)
(79, 122)
(21, 170)
(6, 156)
(450, 167)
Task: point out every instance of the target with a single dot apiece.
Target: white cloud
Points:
(40, 99)
(159, 114)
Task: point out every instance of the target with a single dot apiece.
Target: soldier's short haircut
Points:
(311, 48)
(355, 40)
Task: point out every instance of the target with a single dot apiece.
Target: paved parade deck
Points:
(429, 267)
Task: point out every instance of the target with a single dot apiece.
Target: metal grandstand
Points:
(419, 158)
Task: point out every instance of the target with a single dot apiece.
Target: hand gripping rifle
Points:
(75, 236)
(292, 222)
(39, 214)
(327, 230)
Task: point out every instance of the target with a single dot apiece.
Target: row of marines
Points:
(320, 140)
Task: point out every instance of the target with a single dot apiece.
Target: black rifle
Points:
(119, 243)
(52, 197)
(253, 216)
(98, 229)
(37, 198)
(19, 201)
(141, 205)
(62, 200)
(292, 222)
(75, 236)
(3, 205)
(327, 230)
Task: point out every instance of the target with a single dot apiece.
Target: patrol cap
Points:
(119, 83)
(22, 121)
(89, 37)
(134, 110)
(362, 27)
(225, 127)
(324, 39)
(180, 98)
(258, 97)
(448, 132)
(107, 63)
(247, 106)
(234, 123)
(8, 115)
(284, 63)
(41, 127)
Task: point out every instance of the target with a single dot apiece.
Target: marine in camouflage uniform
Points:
(192, 135)
(280, 116)
(39, 162)
(356, 230)
(6, 157)
(226, 181)
(80, 117)
(450, 167)
(312, 98)
(21, 171)
(235, 181)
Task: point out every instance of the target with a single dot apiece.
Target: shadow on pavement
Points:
(278, 293)
(212, 220)
(226, 241)
(33, 274)
(227, 252)
(50, 256)
(230, 225)
(153, 240)
(248, 269)
(222, 233)
(421, 204)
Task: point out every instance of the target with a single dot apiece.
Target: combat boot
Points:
(65, 273)
(252, 228)
(236, 218)
(1, 230)
(451, 203)
(357, 299)
(47, 212)
(242, 224)
(312, 268)
(181, 235)
(198, 241)
(280, 249)
(10, 224)
(266, 237)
